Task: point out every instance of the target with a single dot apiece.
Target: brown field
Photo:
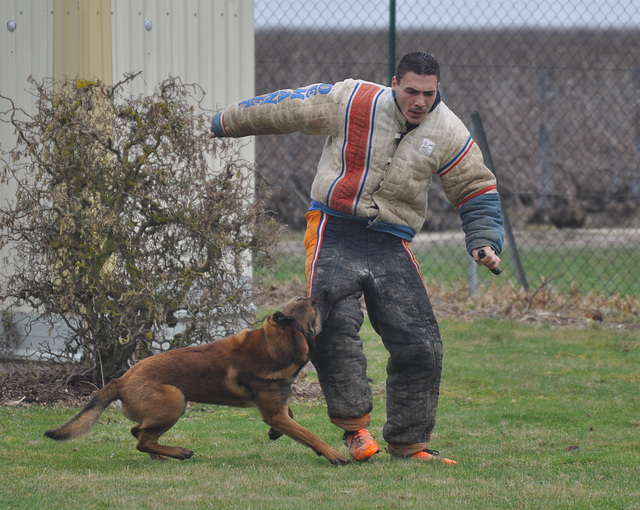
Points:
(560, 110)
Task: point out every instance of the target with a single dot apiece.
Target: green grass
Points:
(516, 401)
(607, 270)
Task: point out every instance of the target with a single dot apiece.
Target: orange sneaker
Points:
(361, 445)
(431, 455)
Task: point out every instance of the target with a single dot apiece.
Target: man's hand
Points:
(487, 257)
(211, 134)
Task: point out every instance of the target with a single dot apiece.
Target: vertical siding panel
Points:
(24, 52)
(95, 29)
(27, 51)
(66, 38)
(82, 39)
(192, 54)
(209, 42)
(127, 30)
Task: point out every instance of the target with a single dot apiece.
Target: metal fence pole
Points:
(472, 276)
(479, 136)
(392, 39)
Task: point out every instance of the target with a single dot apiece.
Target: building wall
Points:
(201, 41)
(205, 42)
(82, 39)
(26, 41)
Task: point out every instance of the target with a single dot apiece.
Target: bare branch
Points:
(125, 234)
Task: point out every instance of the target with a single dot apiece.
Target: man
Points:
(369, 199)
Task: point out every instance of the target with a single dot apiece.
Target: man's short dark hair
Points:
(419, 63)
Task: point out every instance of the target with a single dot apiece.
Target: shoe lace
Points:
(358, 438)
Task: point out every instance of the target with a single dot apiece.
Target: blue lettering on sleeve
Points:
(283, 95)
(280, 95)
(252, 102)
(276, 97)
(298, 94)
(271, 98)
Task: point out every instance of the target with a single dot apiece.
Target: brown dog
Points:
(249, 369)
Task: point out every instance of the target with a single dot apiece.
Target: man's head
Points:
(416, 85)
(419, 63)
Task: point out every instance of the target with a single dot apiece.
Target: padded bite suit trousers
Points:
(352, 260)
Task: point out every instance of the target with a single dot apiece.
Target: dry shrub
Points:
(543, 304)
(123, 228)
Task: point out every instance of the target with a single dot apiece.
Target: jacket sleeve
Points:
(471, 187)
(482, 222)
(311, 110)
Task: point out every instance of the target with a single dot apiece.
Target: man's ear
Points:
(282, 320)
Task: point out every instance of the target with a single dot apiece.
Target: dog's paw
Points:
(274, 434)
(339, 460)
(184, 454)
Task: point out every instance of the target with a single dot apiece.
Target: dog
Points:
(253, 368)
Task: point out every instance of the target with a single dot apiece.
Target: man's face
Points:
(415, 95)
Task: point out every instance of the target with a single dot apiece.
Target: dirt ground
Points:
(32, 384)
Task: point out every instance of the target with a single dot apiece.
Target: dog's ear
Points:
(282, 320)
(324, 299)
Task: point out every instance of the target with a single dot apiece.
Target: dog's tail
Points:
(84, 421)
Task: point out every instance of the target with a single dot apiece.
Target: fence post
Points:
(544, 143)
(392, 40)
(472, 275)
(479, 136)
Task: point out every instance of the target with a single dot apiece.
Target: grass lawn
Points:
(536, 417)
(602, 268)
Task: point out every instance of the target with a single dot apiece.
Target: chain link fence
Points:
(555, 86)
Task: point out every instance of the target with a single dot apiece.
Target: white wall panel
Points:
(25, 51)
(26, 39)
(209, 42)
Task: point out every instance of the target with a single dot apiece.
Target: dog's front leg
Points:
(274, 433)
(284, 424)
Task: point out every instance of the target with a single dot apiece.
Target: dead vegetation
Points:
(542, 305)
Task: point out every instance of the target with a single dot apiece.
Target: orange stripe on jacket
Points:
(355, 155)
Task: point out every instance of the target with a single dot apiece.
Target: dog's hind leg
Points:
(148, 443)
(157, 414)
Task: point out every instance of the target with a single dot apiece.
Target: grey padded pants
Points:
(352, 260)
